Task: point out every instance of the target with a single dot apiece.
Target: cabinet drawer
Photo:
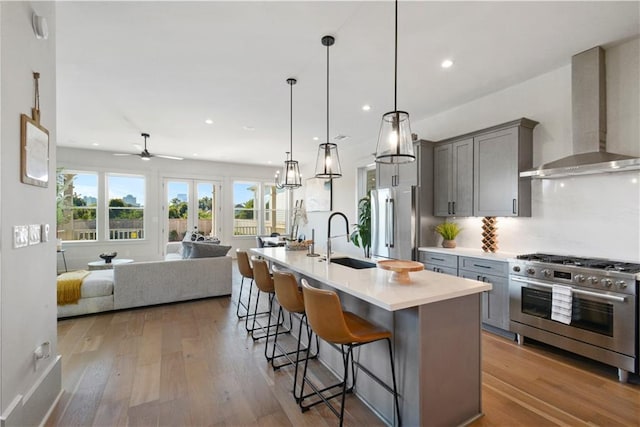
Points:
(442, 260)
(479, 265)
(440, 269)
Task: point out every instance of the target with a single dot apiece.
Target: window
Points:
(76, 205)
(125, 207)
(366, 180)
(259, 209)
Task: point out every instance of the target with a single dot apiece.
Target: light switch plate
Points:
(20, 236)
(34, 234)
(44, 233)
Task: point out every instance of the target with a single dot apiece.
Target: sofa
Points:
(153, 282)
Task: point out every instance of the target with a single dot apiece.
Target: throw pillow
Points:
(208, 250)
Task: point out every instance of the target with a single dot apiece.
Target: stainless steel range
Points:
(600, 299)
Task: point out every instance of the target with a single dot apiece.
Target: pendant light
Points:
(292, 177)
(328, 162)
(394, 141)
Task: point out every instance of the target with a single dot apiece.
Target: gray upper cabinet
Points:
(499, 157)
(478, 174)
(405, 174)
(453, 178)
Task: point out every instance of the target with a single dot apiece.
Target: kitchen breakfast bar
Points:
(435, 322)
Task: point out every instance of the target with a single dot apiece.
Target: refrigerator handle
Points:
(386, 226)
(392, 222)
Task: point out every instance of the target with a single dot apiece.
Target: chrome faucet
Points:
(329, 236)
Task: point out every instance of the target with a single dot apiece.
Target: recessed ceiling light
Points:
(269, 162)
(95, 144)
(366, 107)
(447, 63)
(195, 154)
(315, 138)
(248, 128)
(209, 121)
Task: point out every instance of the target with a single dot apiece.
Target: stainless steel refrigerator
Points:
(394, 224)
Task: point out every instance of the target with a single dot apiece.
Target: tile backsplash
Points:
(592, 215)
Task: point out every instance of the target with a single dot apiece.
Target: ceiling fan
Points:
(145, 154)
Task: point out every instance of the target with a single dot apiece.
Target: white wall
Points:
(27, 275)
(595, 215)
(151, 248)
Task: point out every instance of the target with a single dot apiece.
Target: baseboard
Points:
(33, 408)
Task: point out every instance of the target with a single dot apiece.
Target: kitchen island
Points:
(435, 321)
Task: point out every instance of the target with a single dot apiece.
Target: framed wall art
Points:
(318, 194)
(34, 152)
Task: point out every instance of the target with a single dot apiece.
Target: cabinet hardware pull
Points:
(514, 206)
(437, 259)
(481, 266)
(449, 208)
(453, 208)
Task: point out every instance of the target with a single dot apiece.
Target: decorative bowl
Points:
(108, 257)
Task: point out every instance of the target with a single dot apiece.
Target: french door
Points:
(191, 204)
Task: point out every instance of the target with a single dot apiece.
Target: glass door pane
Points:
(178, 209)
(206, 213)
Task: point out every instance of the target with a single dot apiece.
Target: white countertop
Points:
(470, 252)
(372, 284)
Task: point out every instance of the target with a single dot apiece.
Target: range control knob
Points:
(593, 279)
(531, 271)
(606, 282)
(579, 278)
(546, 272)
(516, 268)
(621, 284)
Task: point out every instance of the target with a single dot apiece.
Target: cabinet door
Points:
(495, 192)
(462, 178)
(442, 180)
(385, 174)
(495, 303)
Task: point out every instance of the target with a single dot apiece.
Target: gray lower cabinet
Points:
(440, 263)
(495, 303)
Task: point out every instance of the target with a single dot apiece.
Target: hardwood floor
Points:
(192, 364)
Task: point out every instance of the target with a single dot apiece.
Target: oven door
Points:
(601, 318)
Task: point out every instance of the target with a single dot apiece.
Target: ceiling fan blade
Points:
(125, 154)
(168, 157)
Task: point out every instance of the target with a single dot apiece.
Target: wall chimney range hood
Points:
(589, 117)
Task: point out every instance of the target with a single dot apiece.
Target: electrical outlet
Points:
(20, 236)
(34, 234)
(44, 233)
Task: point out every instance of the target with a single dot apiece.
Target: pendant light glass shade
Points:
(328, 162)
(292, 177)
(394, 141)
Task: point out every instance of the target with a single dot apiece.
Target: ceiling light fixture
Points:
(366, 107)
(447, 63)
(394, 141)
(292, 178)
(328, 162)
(209, 121)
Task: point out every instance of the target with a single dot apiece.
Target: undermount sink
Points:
(353, 263)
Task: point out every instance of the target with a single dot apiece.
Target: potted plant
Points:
(448, 231)
(361, 236)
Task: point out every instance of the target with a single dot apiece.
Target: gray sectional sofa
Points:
(153, 282)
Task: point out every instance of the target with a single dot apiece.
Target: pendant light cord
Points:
(395, 70)
(327, 94)
(291, 119)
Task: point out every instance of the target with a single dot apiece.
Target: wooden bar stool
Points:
(290, 298)
(264, 282)
(329, 322)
